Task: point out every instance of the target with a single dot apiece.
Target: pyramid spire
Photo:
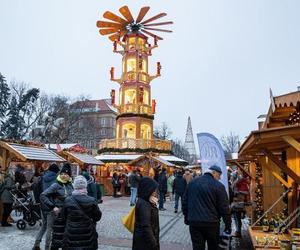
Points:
(189, 143)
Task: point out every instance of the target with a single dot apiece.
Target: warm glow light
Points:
(145, 131)
(128, 130)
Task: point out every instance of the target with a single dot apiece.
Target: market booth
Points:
(274, 155)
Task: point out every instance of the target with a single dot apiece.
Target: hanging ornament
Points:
(112, 95)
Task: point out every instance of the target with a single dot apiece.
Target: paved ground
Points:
(112, 234)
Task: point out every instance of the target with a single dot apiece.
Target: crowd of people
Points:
(70, 211)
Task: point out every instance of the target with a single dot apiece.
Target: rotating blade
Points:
(111, 16)
(103, 24)
(151, 34)
(143, 12)
(157, 24)
(117, 35)
(126, 13)
(108, 31)
(154, 18)
(162, 30)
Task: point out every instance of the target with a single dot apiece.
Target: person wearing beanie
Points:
(44, 182)
(146, 228)
(80, 213)
(91, 185)
(52, 200)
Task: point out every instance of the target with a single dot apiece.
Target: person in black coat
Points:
(204, 202)
(162, 187)
(146, 228)
(115, 181)
(179, 186)
(80, 213)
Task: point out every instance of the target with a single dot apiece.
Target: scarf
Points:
(62, 181)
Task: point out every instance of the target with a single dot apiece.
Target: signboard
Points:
(211, 153)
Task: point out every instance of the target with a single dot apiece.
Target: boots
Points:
(36, 246)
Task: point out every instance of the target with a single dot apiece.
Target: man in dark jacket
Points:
(146, 227)
(134, 180)
(204, 202)
(52, 200)
(179, 186)
(163, 188)
(45, 182)
(91, 185)
(80, 214)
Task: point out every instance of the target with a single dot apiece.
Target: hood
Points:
(49, 176)
(88, 178)
(146, 187)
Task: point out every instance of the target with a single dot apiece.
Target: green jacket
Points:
(170, 183)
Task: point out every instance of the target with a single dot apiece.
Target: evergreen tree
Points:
(4, 101)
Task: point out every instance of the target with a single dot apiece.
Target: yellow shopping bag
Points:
(129, 220)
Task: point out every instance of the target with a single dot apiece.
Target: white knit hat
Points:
(80, 182)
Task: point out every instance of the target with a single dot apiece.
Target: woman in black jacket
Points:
(146, 228)
(80, 214)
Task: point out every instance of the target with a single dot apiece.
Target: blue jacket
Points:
(48, 179)
(205, 202)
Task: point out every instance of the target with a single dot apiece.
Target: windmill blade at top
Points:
(103, 24)
(108, 31)
(143, 12)
(151, 34)
(154, 18)
(126, 13)
(111, 16)
(158, 24)
(162, 30)
(117, 35)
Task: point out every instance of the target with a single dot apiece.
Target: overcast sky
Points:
(217, 65)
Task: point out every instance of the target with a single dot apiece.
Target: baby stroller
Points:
(27, 207)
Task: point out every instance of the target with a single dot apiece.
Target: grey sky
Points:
(217, 66)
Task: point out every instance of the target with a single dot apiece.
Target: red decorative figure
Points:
(153, 106)
(158, 68)
(112, 73)
(112, 95)
(115, 46)
(141, 95)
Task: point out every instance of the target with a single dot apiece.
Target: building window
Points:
(103, 132)
(103, 121)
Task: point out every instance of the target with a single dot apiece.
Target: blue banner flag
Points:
(212, 153)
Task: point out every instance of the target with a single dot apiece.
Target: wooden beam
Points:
(292, 141)
(281, 165)
(276, 175)
(243, 170)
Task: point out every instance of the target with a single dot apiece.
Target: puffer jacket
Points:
(54, 196)
(9, 184)
(205, 201)
(146, 228)
(179, 185)
(162, 182)
(80, 213)
(48, 179)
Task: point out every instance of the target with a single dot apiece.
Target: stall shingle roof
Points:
(33, 153)
(86, 159)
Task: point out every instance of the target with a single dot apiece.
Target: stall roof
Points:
(62, 146)
(174, 159)
(117, 157)
(151, 158)
(271, 139)
(85, 158)
(31, 153)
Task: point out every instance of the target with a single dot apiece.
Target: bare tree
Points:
(163, 132)
(180, 151)
(231, 143)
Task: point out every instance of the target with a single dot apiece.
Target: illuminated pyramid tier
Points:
(136, 109)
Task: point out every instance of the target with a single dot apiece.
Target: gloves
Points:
(186, 222)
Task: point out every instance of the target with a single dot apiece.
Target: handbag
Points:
(129, 220)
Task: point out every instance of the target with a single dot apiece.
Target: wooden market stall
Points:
(274, 153)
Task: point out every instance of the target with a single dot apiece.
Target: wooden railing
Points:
(136, 76)
(135, 144)
(135, 108)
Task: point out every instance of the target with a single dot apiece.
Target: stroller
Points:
(25, 204)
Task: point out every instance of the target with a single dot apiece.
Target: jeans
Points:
(43, 229)
(238, 221)
(161, 199)
(133, 193)
(7, 208)
(50, 220)
(177, 196)
(202, 234)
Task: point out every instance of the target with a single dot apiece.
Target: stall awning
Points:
(31, 153)
(175, 160)
(117, 158)
(151, 158)
(273, 139)
(84, 158)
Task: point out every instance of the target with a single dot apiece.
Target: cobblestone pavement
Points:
(112, 234)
